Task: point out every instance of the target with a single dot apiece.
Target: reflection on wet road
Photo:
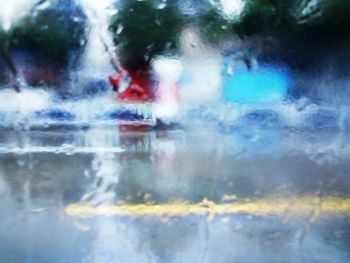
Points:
(220, 194)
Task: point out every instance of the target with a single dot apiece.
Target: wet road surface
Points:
(110, 194)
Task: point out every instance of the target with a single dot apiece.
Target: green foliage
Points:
(50, 34)
(266, 16)
(330, 18)
(3, 39)
(258, 17)
(213, 26)
(143, 30)
(326, 18)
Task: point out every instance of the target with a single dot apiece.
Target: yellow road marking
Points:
(287, 207)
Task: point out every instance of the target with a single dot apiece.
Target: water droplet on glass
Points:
(45, 27)
(162, 5)
(229, 70)
(82, 42)
(87, 173)
(120, 29)
(111, 11)
(21, 161)
(68, 149)
(43, 5)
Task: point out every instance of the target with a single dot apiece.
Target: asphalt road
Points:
(113, 194)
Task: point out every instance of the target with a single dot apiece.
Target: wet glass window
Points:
(174, 131)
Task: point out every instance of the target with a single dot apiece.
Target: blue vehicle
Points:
(263, 84)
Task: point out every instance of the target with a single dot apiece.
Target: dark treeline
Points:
(304, 34)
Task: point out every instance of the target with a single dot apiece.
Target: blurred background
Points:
(174, 131)
(66, 45)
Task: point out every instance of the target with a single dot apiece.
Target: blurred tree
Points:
(256, 17)
(49, 35)
(266, 17)
(213, 26)
(324, 18)
(145, 29)
(6, 59)
(298, 18)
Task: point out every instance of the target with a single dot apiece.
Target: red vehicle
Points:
(138, 89)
